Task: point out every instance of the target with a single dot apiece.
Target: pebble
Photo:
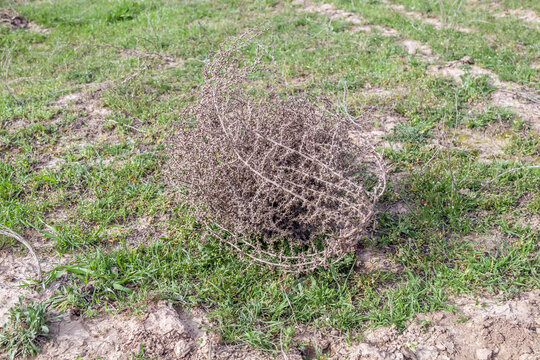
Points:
(484, 354)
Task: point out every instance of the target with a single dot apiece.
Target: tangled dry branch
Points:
(282, 180)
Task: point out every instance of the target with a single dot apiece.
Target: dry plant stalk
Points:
(4, 230)
(283, 181)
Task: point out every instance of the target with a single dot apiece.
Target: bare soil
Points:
(431, 20)
(524, 102)
(480, 328)
(16, 21)
(528, 15)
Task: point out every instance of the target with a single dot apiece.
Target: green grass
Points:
(27, 326)
(106, 203)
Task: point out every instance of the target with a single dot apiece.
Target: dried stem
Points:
(12, 234)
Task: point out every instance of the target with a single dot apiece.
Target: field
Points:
(448, 91)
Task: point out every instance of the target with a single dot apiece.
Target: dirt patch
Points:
(13, 271)
(523, 102)
(487, 145)
(377, 127)
(433, 21)
(526, 105)
(371, 260)
(18, 268)
(528, 15)
(492, 241)
(416, 47)
(481, 329)
(16, 21)
(413, 47)
(88, 103)
(162, 61)
(90, 126)
(163, 331)
(386, 31)
(336, 14)
(455, 70)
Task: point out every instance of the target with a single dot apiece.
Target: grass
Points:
(27, 326)
(103, 200)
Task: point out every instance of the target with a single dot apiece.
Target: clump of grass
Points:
(490, 115)
(27, 326)
(524, 144)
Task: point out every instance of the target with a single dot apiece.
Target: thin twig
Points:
(285, 357)
(4, 230)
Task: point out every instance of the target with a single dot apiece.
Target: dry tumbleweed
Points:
(283, 181)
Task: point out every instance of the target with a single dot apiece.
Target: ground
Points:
(448, 91)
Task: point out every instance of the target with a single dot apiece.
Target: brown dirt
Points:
(433, 21)
(454, 70)
(528, 15)
(376, 134)
(416, 47)
(360, 24)
(487, 145)
(16, 21)
(492, 241)
(335, 14)
(89, 127)
(376, 260)
(158, 60)
(482, 328)
(165, 333)
(16, 268)
(522, 101)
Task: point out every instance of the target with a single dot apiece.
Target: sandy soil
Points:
(16, 21)
(480, 328)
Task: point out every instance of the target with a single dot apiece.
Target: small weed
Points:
(26, 328)
(414, 134)
(124, 10)
(72, 237)
(141, 355)
(527, 144)
(490, 115)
